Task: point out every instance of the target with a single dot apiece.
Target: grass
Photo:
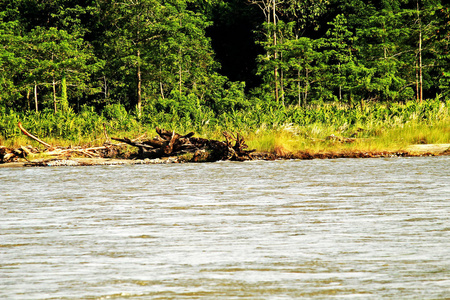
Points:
(375, 126)
(313, 138)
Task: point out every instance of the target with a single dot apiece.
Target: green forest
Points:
(67, 67)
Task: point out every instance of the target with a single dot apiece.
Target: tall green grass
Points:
(266, 126)
(376, 126)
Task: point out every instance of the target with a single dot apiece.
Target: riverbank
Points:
(411, 151)
(328, 130)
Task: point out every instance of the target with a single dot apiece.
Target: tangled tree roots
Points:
(170, 143)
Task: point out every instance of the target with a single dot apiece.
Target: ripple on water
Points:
(348, 228)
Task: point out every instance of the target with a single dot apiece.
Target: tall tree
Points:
(164, 44)
(134, 29)
(11, 62)
(442, 41)
(346, 72)
(58, 58)
(381, 45)
(303, 67)
(286, 21)
(269, 8)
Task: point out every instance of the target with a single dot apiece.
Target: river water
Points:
(319, 229)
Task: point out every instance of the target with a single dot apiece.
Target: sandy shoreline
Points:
(429, 148)
(86, 162)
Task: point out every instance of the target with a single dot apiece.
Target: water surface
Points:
(320, 229)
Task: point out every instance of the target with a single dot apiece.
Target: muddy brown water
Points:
(319, 229)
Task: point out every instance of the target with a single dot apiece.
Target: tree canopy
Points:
(190, 54)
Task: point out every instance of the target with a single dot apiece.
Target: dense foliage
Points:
(425, 122)
(203, 61)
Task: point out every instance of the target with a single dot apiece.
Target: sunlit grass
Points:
(316, 138)
(373, 127)
(287, 138)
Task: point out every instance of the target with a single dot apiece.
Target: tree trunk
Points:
(299, 88)
(340, 86)
(282, 78)
(54, 95)
(139, 95)
(139, 79)
(105, 87)
(275, 71)
(64, 100)
(306, 87)
(180, 79)
(417, 83)
(35, 97)
(420, 55)
(180, 72)
(161, 87)
(33, 137)
(28, 99)
(420, 66)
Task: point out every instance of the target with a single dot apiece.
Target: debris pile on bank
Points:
(166, 145)
(170, 143)
(107, 150)
(11, 154)
(169, 146)
(8, 155)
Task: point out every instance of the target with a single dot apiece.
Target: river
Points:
(318, 229)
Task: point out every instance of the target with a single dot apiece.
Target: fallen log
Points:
(105, 151)
(33, 137)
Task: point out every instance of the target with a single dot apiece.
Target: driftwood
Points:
(170, 143)
(108, 150)
(166, 144)
(33, 137)
(23, 152)
(11, 155)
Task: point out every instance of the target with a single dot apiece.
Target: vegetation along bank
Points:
(294, 78)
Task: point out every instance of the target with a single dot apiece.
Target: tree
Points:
(11, 63)
(269, 8)
(134, 28)
(442, 42)
(345, 72)
(427, 27)
(164, 44)
(303, 68)
(50, 57)
(286, 21)
(58, 58)
(381, 42)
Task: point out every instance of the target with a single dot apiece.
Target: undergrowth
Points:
(266, 127)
